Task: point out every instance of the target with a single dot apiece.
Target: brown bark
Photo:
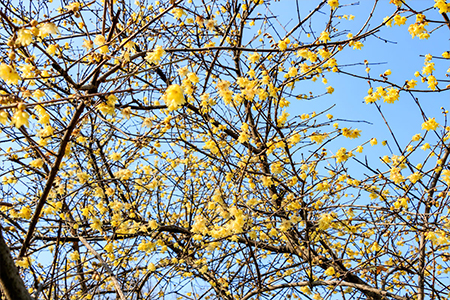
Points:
(11, 283)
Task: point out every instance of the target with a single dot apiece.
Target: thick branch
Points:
(10, 280)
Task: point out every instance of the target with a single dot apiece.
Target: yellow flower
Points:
(24, 37)
(415, 177)
(282, 44)
(253, 58)
(398, 20)
(388, 21)
(51, 49)
(126, 113)
(174, 97)
(446, 54)
(46, 29)
(428, 68)
(178, 13)
(358, 45)
(20, 118)
(442, 5)
(25, 212)
(155, 55)
(37, 163)
(199, 225)
(192, 77)
(410, 84)
(87, 44)
(96, 224)
(276, 168)
(210, 24)
(425, 146)
(396, 176)
(83, 177)
(324, 37)
(330, 271)
(8, 74)
(151, 267)
(292, 71)
(27, 70)
(431, 124)
(317, 296)
(325, 221)
(318, 138)
(333, 3)
(432, 82)
(342, 155)
(396, 2)
(25, 262)
(115, 156)
(130, 46)
(75, 6)
(3, 117)
(101, 41)
(330, 89)
(74, 255)
(109, 248)
(349, 133)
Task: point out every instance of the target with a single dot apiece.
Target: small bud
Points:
(21, 106)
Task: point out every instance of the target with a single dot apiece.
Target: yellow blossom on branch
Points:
(253, 58)
(430, 124)
(324, 37)
(155, 55)
(174, 97)
(333, 3)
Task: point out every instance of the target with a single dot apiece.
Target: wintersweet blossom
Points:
(3, 117)
(174, 97)
(324, 37)
(37, 163)
(74, 256)
(178, 13)
(333, 3)
(351, 133)
(20, 118)
(431, 124)
(155, 55)
(330, 89)
(443, 6)
(74, 6)
(87, 44)
(358, 45)
(253, 58)
(428, 68)
(210, 24)
(330, 271)
(101, 41)
(51, 49)
(24, 37)
(399, 20)
(410, 84)
(282, 44)
(318, 138)
(9, 74)
(47, 29)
